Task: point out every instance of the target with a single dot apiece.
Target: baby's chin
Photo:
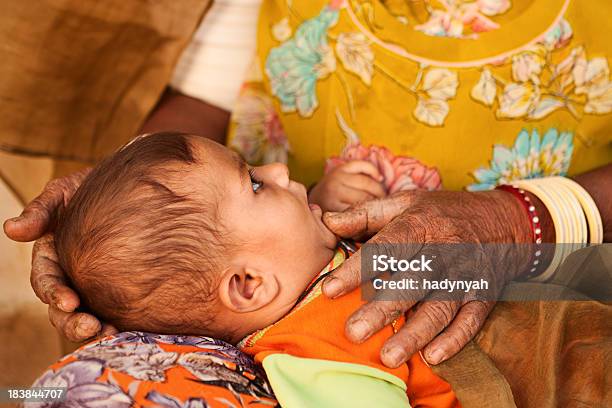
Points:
(330, 240)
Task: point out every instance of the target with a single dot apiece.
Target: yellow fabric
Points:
(378, 98)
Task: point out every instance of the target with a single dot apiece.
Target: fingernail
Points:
(10, 221)
(332, 287)
(436, 356)
(84, 329)
(395, 356)
(360, 330)
(57, 301)
(61, 306)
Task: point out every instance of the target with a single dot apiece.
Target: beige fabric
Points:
(29, 342)
(213, 67)
(79, 77)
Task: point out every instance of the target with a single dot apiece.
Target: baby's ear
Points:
(245, 289)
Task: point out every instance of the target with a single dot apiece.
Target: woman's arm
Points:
(440, 327)
(178, 112)
(598, 183)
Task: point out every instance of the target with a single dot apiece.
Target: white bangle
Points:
(572, 211)
(573, 218)
(589, 207)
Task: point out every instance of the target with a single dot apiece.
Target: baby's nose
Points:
(277, 173)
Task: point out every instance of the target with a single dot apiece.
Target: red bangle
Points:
(534, 222)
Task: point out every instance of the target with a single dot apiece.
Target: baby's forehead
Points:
(217, 166)
(218, 157)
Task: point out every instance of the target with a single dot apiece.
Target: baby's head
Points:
(177, 234)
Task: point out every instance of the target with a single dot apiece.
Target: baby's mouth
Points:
(317, 212)
(315, 208)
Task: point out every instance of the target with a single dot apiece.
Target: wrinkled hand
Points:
(439, 327)
(347, 184)
(48, 280)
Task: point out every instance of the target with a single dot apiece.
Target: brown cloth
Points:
(553, 354)
(543, 354)
(550, 346)
(78, 77)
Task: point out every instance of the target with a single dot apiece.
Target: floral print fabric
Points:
(450, 110)
(151, 370)
(399, 173)
(542, 82)
(530, 157)
(295, 66)
(258, 132)
(539, 86)
(463, 19)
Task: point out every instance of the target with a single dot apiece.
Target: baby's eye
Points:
(257, 184)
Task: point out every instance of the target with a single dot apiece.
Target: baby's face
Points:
(268, 218)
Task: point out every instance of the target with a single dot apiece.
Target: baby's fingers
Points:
(365, 184)
(362, 167)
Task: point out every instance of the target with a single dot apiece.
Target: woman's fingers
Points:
(421, 327)
(363, 167)
(344, 279)
(368, 217)
(75, 327)
(463, 328)
(36, 218)
(372, 317)
(348, 275)
(107, 330)
(47, 278)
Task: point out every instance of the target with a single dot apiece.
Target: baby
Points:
(177, 234)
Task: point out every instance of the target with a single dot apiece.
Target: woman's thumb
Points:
(351, 223)
(367, 218)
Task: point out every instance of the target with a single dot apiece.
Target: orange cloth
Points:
(315, 329)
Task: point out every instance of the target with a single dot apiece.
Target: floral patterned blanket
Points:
(151, 370)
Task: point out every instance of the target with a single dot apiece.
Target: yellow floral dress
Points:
(486, 91)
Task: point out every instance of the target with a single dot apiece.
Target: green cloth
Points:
(308, 382)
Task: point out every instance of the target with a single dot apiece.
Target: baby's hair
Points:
(129, 241)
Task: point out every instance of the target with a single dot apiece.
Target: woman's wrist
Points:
(510, 217)
(516, 219)
(542, 230)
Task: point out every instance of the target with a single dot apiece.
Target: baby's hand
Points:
(346, 185)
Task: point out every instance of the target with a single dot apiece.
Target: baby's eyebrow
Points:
(241, 166)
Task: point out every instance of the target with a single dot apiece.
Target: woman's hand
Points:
(47, 278)
(348, 184)
(438, 326)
